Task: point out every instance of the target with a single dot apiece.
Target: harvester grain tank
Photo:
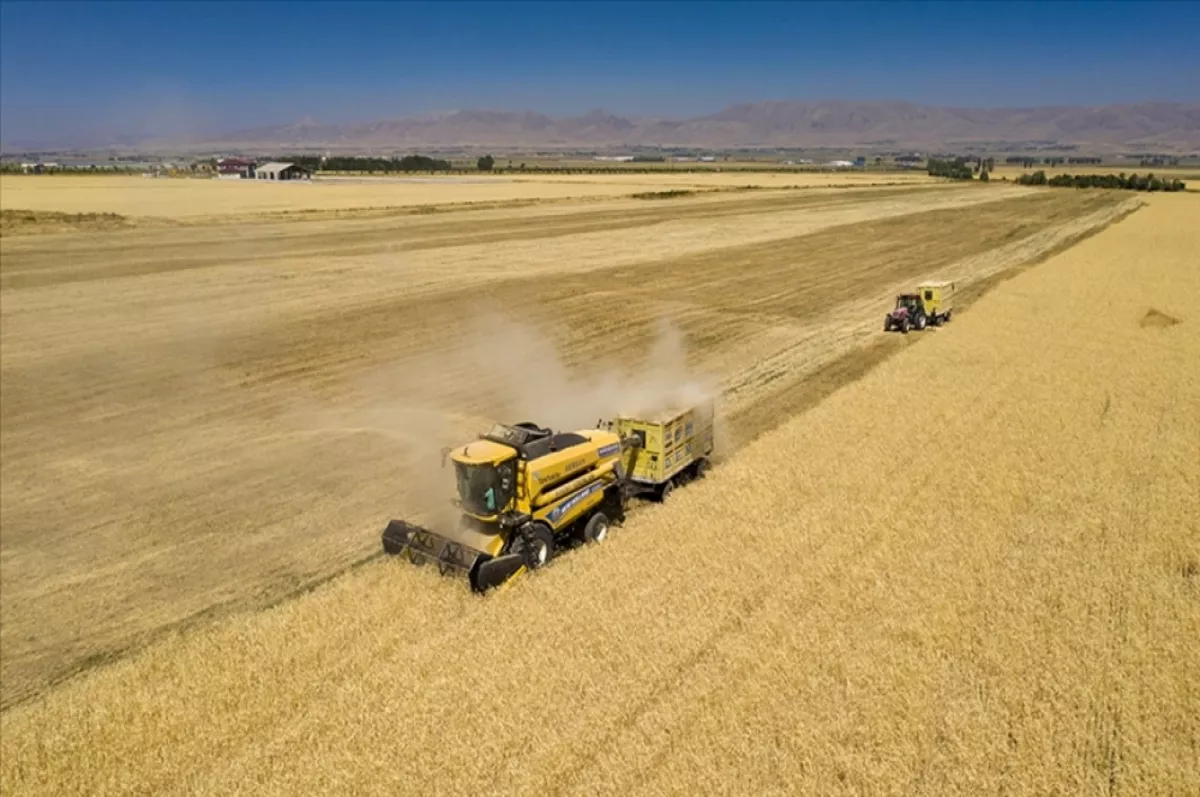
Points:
(526, 492)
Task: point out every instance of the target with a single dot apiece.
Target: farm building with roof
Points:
(282, 171)
(235, 169)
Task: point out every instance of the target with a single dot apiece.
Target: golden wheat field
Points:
(965, 561)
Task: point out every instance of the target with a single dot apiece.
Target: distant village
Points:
(219, 168)
(303, 167)
(240, 168)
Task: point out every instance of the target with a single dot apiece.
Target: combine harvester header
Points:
(526, 492)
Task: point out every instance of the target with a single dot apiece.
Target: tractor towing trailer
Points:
(933, 303)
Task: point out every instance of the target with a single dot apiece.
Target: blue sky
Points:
(106, 68)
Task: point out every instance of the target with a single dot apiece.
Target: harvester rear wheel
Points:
(535, 545)
(596, 530)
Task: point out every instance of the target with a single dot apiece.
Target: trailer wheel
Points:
(948, 312)
(596, 530)
(535, 545)
(701, 468)
(665, 490)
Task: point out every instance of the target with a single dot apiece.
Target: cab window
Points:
(928, 296)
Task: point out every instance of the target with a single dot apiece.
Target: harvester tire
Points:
(535, 545)
(596, 530)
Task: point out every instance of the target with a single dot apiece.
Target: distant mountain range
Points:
(1148, 126)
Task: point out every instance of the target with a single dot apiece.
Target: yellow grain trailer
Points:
(672, 447)
(938, 299)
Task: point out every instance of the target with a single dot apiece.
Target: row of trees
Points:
(957, 169)
(343, 163)
(1133, 182)
(13, 167)
(1028, 162)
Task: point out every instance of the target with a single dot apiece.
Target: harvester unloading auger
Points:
(525, 492)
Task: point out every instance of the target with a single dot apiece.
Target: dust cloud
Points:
(499, 370)
(529, 379)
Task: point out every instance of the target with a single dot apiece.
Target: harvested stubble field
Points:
(196, 200)
(197, 422)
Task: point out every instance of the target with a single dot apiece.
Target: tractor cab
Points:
(909, 312)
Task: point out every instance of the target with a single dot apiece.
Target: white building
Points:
(281, 171)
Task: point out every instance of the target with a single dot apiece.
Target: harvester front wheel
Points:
(535, 545)
(596, 530)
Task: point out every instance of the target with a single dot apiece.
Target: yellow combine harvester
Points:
(526, 492)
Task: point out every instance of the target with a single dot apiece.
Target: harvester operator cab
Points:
(486, 489)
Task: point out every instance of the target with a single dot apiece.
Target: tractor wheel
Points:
(596, 530)
(920, 321)
(535, 545)
(887, 324)
(904, 327)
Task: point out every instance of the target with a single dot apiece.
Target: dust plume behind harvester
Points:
(525, 492)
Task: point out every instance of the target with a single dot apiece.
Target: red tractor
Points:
(909, 314)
